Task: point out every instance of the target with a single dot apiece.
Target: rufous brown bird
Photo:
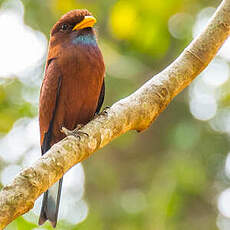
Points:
(72, 90)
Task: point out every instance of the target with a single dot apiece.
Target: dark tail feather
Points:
(50, 204)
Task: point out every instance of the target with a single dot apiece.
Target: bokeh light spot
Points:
(202, 20)
(227, 165)
(179, 25)
(224, 51)
(223, 223)
(133, 201)
(21, 46)
(123, 20)
(203, 108)
(217, 73)
(14, 145)
(9, 172)
(223, 203)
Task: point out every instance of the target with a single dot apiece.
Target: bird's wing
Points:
(49, 95)
(101, 97)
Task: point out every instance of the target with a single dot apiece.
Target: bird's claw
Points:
(103, 112)
(76, 132)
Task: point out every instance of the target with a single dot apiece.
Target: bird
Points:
(72, 90)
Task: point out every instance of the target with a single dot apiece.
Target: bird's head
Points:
(75, 24)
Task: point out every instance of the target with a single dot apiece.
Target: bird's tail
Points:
(50, 204)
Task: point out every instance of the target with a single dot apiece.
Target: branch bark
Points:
(135, 112)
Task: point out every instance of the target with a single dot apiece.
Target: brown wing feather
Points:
(101, 98)
(49, 94)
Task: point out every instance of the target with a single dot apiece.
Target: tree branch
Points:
(135, 112)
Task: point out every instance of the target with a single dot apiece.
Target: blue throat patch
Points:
(85, 40)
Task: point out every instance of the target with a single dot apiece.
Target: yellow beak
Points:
(88, 21)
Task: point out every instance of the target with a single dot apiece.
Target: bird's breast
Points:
(82, 70)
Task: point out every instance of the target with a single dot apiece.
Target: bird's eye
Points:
(64, 27)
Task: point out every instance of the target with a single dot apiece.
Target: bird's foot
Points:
(76, 132)
(103, 112)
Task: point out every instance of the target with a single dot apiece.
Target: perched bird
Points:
(72, 90)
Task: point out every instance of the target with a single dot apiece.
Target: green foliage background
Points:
(167, 177)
